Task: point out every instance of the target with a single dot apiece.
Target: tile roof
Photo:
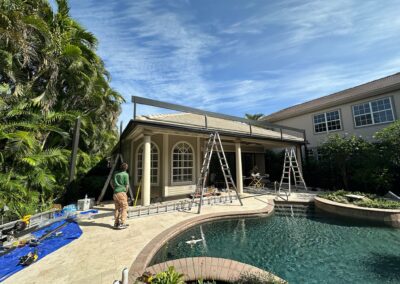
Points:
(196, 121)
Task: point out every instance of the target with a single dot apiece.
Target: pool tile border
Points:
(142, 261)
(389, 217)
(210, 268)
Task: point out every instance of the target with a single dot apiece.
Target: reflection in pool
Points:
(299, 250)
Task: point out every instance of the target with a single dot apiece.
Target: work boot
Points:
(122, 226)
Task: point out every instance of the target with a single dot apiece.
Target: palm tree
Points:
(49, 75)
(256, 116)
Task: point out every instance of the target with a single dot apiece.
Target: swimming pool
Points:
(299, 250)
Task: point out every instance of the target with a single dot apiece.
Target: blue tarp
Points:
(9, 262)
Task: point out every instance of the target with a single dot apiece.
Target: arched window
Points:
(182, 163)
(154, 162)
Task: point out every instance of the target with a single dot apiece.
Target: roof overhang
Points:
(134, 124)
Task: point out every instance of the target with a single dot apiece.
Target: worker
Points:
(120, 184)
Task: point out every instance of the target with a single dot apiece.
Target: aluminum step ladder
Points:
(291, 168)
(214, 144)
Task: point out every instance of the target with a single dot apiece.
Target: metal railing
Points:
(34, 220)
(181, 205)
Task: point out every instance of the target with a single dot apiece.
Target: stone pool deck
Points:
(101, 253)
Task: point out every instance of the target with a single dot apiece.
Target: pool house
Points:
(165, 152)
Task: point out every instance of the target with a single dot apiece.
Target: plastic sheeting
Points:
(9, 262)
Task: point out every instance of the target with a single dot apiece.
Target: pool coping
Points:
(143, 259)
(212, 269)
(390, 217)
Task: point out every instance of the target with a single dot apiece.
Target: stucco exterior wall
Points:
(165, 187)
(305, 121)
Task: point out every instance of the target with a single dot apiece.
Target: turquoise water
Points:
(299, 250)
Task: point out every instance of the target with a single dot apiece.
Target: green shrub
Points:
(378, 203)
(371, 200)
(171, 276)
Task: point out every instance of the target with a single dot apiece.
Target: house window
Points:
(182, 163)
(154, 162)
(374, 112)
(328, 121)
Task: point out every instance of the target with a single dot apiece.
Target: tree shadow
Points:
(385, 265)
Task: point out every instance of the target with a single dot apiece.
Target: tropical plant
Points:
(171, 276)
(356, 164)
(49, 75)
(256, 116)
(341, 150)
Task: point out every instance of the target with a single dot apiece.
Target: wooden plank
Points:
(103, 191)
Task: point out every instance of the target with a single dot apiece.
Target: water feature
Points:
(299, 249)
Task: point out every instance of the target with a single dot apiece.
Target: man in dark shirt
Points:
(120, 184)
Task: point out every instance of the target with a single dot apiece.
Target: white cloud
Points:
(154, 51)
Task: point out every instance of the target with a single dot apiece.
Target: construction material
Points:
(10, 263)
(137, 193)
(291, 168)
(118, 158)
(173, 206)
(85, 204)
(214, 144)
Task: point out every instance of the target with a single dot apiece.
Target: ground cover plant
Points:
(370, 200)
(49, 75)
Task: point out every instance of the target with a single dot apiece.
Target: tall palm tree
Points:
(256, 116)
(49, 74)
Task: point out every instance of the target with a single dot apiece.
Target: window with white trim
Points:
(182, 163)
(373, 112)
(328, 121)
(154, 162)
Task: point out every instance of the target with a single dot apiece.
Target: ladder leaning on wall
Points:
(291, 167)
(214, 144)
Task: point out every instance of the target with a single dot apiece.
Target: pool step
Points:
(297, 210)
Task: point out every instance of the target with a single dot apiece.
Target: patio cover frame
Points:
(136, 100)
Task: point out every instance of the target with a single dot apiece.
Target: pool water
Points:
(299, 250)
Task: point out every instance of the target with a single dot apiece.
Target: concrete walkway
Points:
(101, 253)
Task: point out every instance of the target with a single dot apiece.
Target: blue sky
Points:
(238, 56)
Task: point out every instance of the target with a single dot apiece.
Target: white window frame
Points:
(326, 122)
(172, 165)
(137, 179)
(372, 112)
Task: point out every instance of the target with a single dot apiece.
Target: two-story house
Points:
(360, 111)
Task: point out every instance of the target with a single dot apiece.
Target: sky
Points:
(241, 56)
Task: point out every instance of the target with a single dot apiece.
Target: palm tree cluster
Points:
(49, 75)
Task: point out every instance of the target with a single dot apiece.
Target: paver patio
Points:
(101, 253)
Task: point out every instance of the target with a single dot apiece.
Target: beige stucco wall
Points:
(305, 121)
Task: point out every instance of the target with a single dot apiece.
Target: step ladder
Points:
(291, 168)
(214, 144)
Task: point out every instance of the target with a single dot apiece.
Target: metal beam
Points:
(221, 132)
(176, 107)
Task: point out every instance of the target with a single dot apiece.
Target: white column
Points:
(146, 170)
(239, 173)
(165, 165)
(131, 166)
(198, 159)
